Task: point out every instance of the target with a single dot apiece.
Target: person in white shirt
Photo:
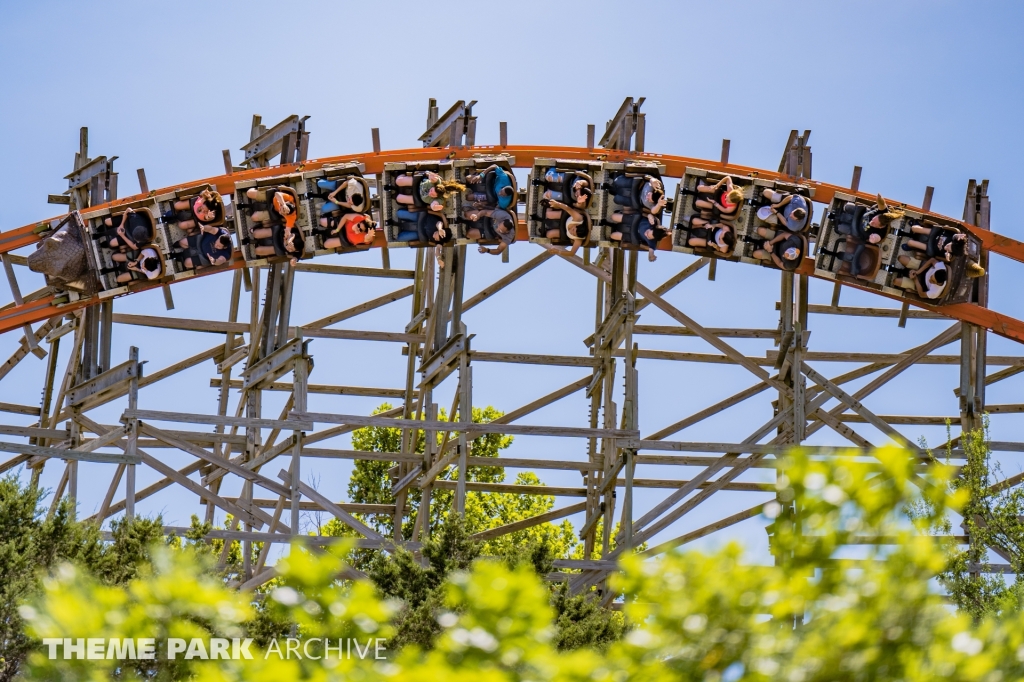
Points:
(146, 266)
(927, 279)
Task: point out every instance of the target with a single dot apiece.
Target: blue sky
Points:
(917, 93)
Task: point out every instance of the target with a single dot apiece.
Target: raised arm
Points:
(497, 251)
(927, 264)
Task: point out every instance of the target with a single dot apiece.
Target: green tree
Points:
(30, 541)
(33, 543)
(421, 588)
(370, 483)
(992, 519)
(581, 621)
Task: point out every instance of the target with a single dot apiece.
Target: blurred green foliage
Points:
(820, 613)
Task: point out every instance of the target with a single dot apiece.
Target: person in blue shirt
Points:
(790, 211)
(209, 246)
(500, 183)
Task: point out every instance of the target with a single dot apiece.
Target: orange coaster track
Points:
(15, 316)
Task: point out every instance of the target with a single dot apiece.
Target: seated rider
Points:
(491, 188)
(136, 265)
(206, 208)
(348, 230)
(927, 279)
(204, 248)
(497, 224)
(423, 227)
(716, 236)
(344, 216)
(345, 195)
(640, 193)
(785, 249)
(130, 230)
(868, 225)
(575, 188)
(563, 222)
(939, 242)
(717, 202)
(276, 211)
(789, 211)
(425, 191)
(640, 230)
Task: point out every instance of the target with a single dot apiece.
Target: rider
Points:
(206, 208)
(789, 211)
(204, 248)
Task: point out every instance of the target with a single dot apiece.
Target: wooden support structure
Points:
(252, 440)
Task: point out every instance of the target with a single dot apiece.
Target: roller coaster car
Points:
(172, 234)
(320, 184)
(877, 266)
(685, 210)
(392, 221)
(621, 195)
(842, 255)
(560, 177)
(483, 195)
(137, 217)
(292, 187)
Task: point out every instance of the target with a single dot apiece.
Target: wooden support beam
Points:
(497, 286)
(254, 517)
(815, 309)
(721, 405)
(469, 427)
(528, 359)
(546, 517)
(338, 513)
(324, 389)
(567, 491)
(217, 420)
(544, 401)
(705, 531)
(354, 271)
(855, 405)
(307, 505)
(995, 377)
(75, 455)
(25, 347)
(209, 457)
(378, 302)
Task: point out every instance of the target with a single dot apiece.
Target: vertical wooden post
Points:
(503, 133)
(465, 417)
(590, 137)
(133, 433)
(106, 330)
(799, 381)
(301, 405)
(458, 129)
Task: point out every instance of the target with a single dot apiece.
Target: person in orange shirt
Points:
(351, 229)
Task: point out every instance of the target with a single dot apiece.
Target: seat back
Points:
(867, 257)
